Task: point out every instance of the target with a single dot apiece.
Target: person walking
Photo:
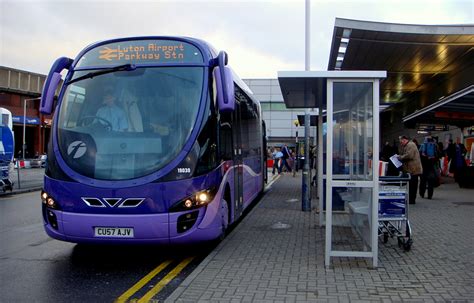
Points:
(410, 157)
(276, 156)
(284, 159)
(429, 158)
(456, 153)
(293, 163)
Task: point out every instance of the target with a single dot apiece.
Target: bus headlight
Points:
(197, 200)
(202, 198)
(48, 201)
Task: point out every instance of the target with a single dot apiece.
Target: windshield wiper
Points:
(125, 67)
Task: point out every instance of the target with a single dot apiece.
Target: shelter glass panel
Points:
(352, 131)
(351, 219)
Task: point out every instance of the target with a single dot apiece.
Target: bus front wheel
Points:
(225, 215)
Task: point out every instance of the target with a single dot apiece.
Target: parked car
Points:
(38, 162)
(43, 160)
(35, 163)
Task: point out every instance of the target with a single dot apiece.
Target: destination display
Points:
(141, 52)
(433, 127)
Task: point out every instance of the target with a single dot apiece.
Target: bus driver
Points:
(111, 113)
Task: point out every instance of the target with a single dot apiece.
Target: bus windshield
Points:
(128, 123)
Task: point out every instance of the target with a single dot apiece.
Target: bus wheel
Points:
(224, 218)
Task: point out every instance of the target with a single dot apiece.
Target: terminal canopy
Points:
(429, 67)
(456, 109)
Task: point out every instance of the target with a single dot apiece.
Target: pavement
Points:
(25, 180)
(257, 262)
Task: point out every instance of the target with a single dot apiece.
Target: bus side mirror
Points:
(225, 84)
(47, 97)
(52, 83)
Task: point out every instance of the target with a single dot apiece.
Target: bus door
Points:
(238, 160)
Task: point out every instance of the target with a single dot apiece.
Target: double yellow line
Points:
(159, 286)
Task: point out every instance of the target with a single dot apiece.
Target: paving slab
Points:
(276, 254)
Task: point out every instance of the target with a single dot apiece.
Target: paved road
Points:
(36, 268)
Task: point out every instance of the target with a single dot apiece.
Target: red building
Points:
(19, 89)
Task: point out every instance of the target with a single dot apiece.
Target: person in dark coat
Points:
(456, 153)
(410, 157)
(429, 158)
(286, 155)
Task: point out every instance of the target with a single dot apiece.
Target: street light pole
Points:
(306, 196)
(295, 166)
(24, 125)
(24, 128)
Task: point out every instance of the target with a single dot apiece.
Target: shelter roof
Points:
(305, 89)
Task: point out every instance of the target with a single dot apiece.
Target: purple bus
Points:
(154, 140)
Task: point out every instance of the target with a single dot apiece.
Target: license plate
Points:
(116, 232)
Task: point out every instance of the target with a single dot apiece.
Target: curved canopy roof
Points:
(424, 63)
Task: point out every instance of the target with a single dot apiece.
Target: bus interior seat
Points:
(134, 116)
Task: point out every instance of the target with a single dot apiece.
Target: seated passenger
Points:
(111, 113)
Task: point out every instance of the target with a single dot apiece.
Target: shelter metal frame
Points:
(321, 85)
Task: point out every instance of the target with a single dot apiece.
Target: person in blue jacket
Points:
(284, 159)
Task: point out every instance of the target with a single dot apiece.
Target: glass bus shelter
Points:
(348, 186)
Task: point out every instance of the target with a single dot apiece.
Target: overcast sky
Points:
(261, 37)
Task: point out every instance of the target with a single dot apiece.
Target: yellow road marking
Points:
(170, 276)
(124, 297)
(273, 181)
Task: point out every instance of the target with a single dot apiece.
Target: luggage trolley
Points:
(393, 210)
